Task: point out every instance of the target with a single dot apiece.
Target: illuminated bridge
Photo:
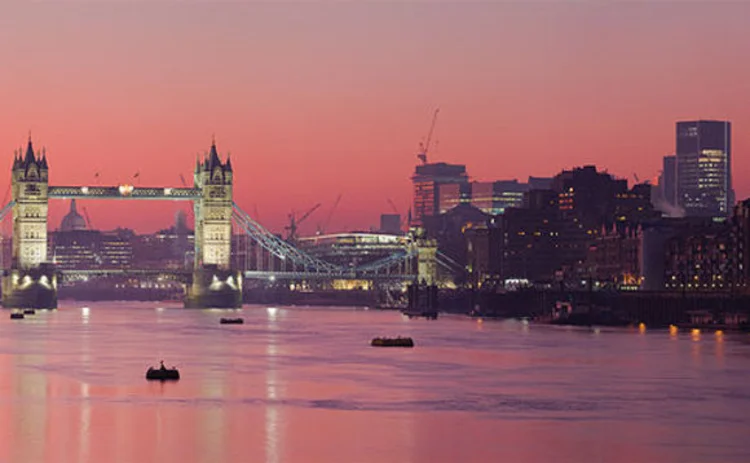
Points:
(213, 281)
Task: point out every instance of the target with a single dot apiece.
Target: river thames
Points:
(302, 384)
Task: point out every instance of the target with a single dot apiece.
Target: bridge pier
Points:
(213, 288)
(34, 288)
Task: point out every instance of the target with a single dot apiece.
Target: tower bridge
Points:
(32, 280)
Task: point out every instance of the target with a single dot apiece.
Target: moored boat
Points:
(16, 316)
(428, 314)
(29, 312)
(392, 342)
(232, 321)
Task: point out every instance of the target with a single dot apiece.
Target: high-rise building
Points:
(427, 180)
(668, 180)
(494, 197)
(453, 194)
(491, 197)
(704, 168)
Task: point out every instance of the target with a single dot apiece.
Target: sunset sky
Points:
(317, 99)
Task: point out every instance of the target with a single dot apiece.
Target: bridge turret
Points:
(213, 216)
(426, 250)
(31, 281)
(30, 187)
(214, 284)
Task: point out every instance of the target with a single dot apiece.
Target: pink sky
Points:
(314, 100)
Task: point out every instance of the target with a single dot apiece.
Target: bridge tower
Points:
(215, 283)
(31, 282)
(426, 251)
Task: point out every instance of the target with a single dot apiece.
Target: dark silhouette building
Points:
(668, 180)
(390, 223)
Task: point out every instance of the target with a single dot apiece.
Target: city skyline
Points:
(522, 92)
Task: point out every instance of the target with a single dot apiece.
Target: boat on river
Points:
(428, 314)
(392, 342)
(17, 316)
(232, 321)
(162, 373)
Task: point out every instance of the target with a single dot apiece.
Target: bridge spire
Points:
(213, 155)
(29, 152)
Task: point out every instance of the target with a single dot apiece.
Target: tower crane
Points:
(425, 147)
(294, 222)
(88, 220)
(393, 206)
(402, 220)
(322, 228)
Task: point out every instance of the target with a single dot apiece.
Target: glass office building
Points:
(704, 168)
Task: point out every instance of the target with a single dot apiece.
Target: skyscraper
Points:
(427, 180)
(704, 168)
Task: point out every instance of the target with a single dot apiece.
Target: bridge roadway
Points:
(185, 275)
(123, 192)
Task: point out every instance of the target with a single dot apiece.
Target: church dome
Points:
(73, 221)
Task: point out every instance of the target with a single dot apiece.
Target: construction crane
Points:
(322, 228)
(294, 222)
(402, 220)
(393, 206)
(425, 147)
(88, 220)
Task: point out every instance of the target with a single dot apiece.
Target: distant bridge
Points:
(213, 281)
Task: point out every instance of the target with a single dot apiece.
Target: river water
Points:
(302, 384)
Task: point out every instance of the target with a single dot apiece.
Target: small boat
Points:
(17, 316)
(428, 314)
(231, 321)
(162, 373)
(29, 312)
(392, 342)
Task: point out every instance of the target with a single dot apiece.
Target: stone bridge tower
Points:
(31, 281)
(214, 284)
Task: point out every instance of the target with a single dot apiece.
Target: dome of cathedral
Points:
(73, 221)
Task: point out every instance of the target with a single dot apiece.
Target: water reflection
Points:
(272, 428)
(301, 385)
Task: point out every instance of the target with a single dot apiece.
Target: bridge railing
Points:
(398, 265)
(448, 263)
(7, 208)
(280, 248)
